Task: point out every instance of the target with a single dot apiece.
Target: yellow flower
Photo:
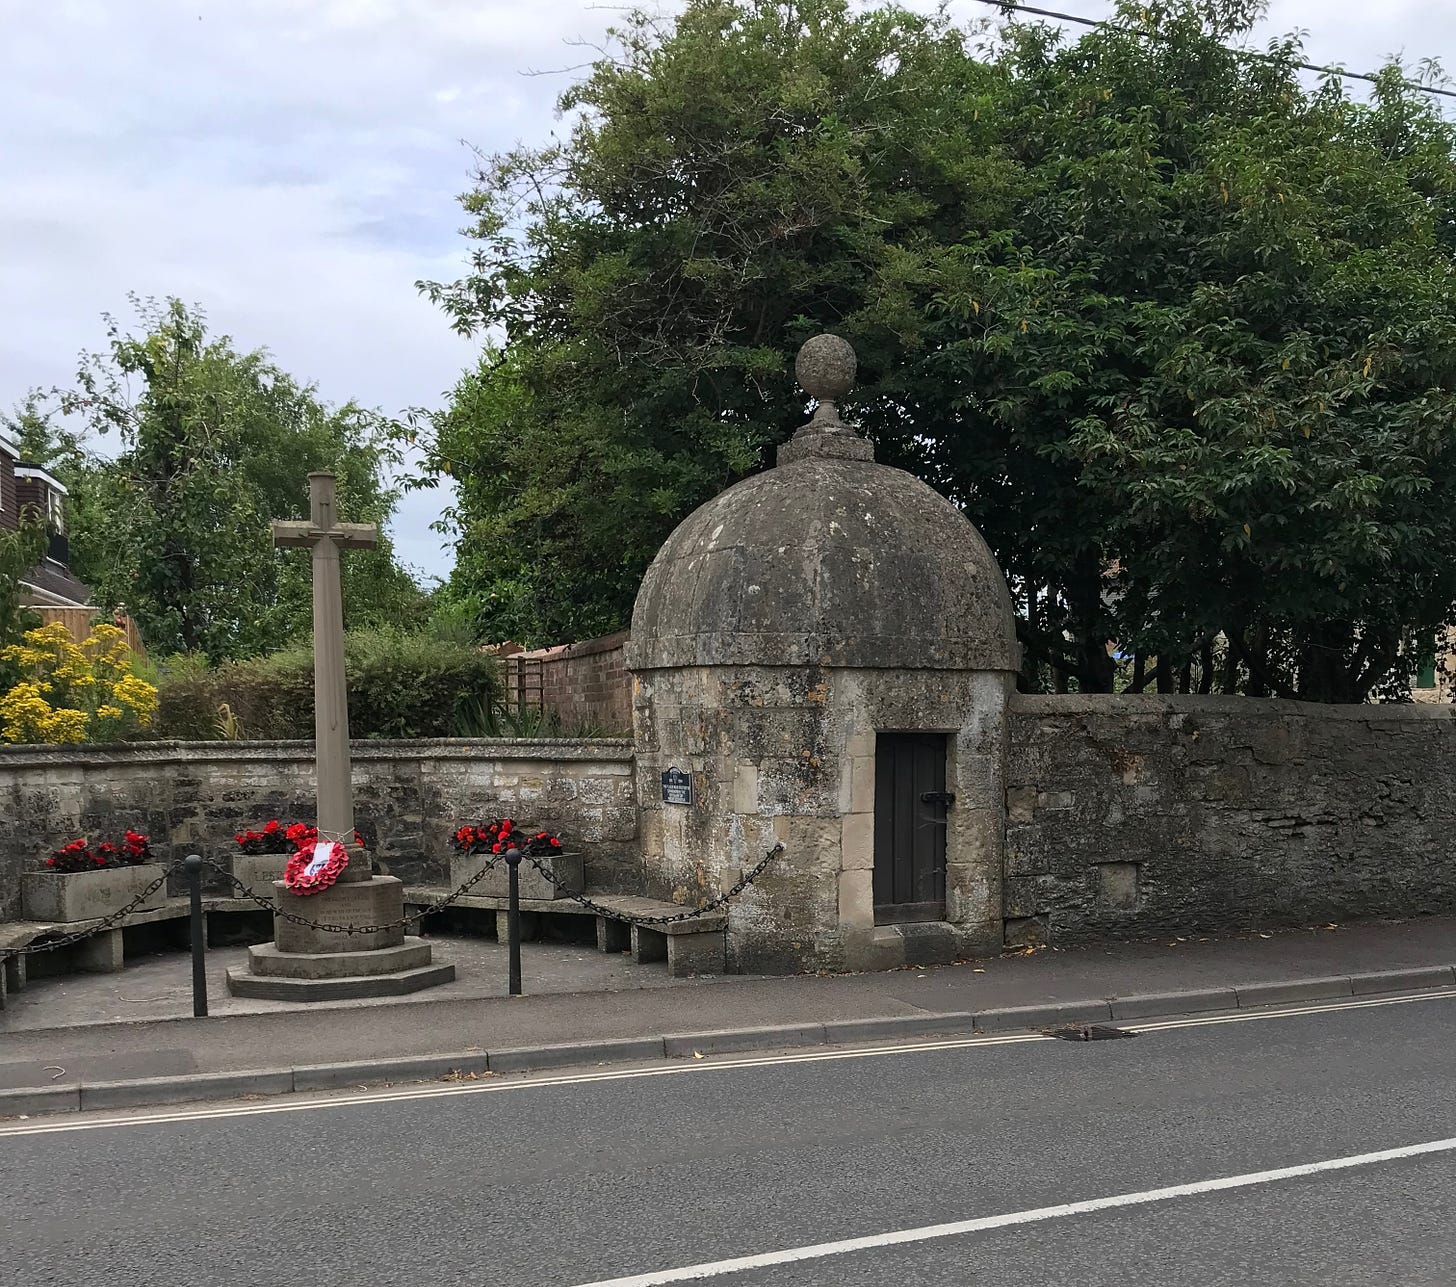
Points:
(65, 683)
(138, 695)
(66, 725)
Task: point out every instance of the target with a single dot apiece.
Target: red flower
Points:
(51, 862)
(272, 826)
(555, 843)
(495, 849)
(295, 877)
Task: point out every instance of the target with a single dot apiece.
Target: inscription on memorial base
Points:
(375, 901)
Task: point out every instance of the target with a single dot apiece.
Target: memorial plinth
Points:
(307, 963)
(377, 900)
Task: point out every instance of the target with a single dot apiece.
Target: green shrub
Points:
(400, 686)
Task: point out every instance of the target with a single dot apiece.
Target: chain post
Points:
(193, 863)
(513, 918)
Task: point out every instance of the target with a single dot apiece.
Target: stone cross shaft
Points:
(327, 536)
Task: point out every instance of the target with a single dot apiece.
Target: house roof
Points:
(8, 445)
(24, 469)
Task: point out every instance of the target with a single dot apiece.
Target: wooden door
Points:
(910, 808)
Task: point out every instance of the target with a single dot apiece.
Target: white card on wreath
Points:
(322, 852)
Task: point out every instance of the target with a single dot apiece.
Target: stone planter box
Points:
(86, 895)
(569, 869)
(259, 871)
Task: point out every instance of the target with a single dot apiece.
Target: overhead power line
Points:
(1242, 53)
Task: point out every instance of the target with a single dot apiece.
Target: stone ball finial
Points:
(826, 367)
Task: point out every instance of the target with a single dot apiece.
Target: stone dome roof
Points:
(827, 559)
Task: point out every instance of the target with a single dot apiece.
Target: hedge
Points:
(400, 686)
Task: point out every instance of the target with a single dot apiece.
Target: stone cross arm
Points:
(347, 536)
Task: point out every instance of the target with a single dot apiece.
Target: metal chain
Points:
(404, 922)
(108, 921)
(105, 923)
(711, 905)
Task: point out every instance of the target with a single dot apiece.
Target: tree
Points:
(756, 174)
(214, 444)
(1215, 348)
(20, 551)
(1174, 330)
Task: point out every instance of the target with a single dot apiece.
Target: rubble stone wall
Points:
(191, 797)
(1130, 816)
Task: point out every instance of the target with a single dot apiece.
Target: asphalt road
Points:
(526, 1184)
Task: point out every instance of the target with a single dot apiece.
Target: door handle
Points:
(946, 798)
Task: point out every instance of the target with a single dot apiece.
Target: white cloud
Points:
(291, 165)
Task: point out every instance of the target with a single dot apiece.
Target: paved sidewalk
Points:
(307, 1047)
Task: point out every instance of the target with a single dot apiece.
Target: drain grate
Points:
(1088, 1032)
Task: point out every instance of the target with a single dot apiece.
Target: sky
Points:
(292, 167)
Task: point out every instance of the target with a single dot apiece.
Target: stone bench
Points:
(102, 953)
(689, 947)
(696, 946)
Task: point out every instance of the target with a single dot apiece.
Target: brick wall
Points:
(1135, 816)
(409, 798)
(580, 684)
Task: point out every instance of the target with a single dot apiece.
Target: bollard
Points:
(513, 919)
(193, 864)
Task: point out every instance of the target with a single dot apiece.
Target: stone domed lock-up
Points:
(826, 650)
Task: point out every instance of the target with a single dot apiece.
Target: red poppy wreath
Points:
(315, 866)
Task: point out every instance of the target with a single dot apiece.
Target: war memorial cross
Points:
(327, 537)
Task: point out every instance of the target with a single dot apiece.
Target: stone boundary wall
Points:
(1131, 816)
(190, 797)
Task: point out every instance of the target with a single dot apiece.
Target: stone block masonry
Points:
(191, 797)
(1130, 816)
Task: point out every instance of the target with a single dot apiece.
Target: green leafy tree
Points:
(22, 547)
(1215, 348)
(20, 551)
(39, 436)
(756, 174)
(213, 444)
(1174, 329)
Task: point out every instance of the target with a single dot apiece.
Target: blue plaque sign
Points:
(677, 787)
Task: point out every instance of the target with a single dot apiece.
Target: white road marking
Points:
(1285, 1012)
(958, 1228)
(300, 1103)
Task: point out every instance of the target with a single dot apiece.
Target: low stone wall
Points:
(191, 797)
(1138, 815)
